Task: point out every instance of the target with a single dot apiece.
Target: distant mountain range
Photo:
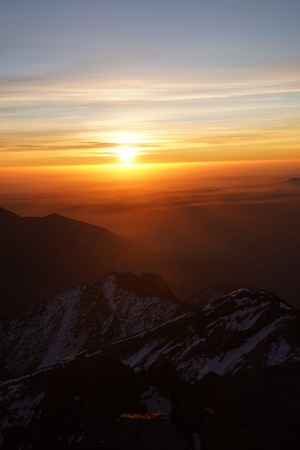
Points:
(123, 344)
(41, 256)
(293, 181)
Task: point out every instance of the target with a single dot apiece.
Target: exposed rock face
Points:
(5, 374)
(113, 307)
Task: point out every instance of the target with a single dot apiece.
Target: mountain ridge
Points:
(134, 318)
(52, 253)
(83, 317)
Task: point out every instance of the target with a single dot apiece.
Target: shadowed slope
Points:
(41, 256)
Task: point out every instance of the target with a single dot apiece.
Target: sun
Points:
(126, 154)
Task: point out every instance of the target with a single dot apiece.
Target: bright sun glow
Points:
(128, 145)
(126, 154)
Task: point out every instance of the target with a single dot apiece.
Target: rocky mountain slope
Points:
(139, 321)
(81, 404)
(113, 307)
(124, 345)
(246, 329)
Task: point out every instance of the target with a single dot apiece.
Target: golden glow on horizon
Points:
(166, 144)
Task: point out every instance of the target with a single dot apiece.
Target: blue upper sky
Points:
(133, 36)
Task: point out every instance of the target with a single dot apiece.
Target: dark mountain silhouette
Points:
(146, 431)
(41, 256)
(99, 403)
(294, 181)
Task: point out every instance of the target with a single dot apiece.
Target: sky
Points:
(97, 82)
(172, 122)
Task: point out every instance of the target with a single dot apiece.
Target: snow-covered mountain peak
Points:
(240, 331)
(112, 307)
(147, 326)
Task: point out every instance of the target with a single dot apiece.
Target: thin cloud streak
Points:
(214, 85)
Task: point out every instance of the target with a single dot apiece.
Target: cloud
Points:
(194, 116)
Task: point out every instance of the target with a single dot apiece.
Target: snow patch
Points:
(155, 402)
(136, 358)
(226, 362)
(279, 352)
(110, 287)
(62, 338)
